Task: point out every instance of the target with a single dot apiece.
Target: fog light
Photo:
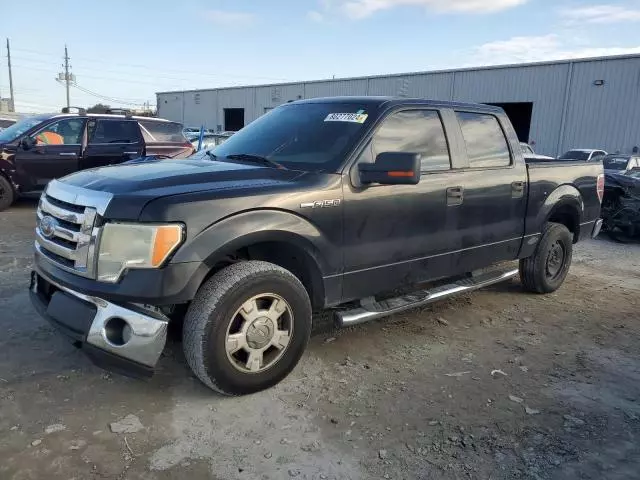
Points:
(117, 332)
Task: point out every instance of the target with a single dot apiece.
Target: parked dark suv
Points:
(40, 148)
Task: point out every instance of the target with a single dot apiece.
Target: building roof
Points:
(392, 75)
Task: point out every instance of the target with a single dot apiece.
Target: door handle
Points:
(517, 189)
(129, 153)
(455, 196)
(68, 154)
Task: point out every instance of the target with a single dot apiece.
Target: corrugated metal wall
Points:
(606, 116)
(544, 86)
(569, 111)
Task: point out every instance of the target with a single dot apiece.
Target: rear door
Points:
(494, 191)
(56, 153)
(111, 141)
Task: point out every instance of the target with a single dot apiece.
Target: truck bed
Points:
(554, 183)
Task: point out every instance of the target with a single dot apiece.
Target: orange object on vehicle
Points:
(49, 138)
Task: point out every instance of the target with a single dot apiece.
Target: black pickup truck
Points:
(326, 204)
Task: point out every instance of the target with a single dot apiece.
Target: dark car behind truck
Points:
(40, 148)
(320, 204)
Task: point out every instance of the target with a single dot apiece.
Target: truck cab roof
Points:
(389, 101)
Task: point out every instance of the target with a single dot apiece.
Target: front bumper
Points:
(172, 284)
(128, 339)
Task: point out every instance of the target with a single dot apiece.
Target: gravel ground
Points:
(499, 384)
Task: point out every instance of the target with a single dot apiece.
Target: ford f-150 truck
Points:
(341, 204)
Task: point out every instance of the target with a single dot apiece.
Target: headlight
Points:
(126, 245)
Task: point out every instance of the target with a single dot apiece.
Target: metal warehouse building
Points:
(585, 103)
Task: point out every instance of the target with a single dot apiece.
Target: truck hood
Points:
(134, 185)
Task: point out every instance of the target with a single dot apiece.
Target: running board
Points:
(371, 310)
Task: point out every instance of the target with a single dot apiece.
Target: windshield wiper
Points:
(255, 159)
(211, 155)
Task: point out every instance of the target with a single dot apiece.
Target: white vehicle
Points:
(6, 122)
(584, 154)
(210, 140)
(528, 152)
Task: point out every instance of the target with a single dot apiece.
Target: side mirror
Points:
(27, 143)
(392, 168)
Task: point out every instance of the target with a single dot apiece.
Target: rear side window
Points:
(113, 131)
(156, 132)
(485, 140)
(414, 131)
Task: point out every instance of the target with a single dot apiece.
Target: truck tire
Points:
(546, 270)
(247, 327)
(7, 194)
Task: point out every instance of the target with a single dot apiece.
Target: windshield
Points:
(575, 155)
(615, 163)
(14, 131)
(306, 136)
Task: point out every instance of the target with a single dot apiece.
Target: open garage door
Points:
(520, 116)
(233, 119)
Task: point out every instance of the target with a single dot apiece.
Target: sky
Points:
(123, 52)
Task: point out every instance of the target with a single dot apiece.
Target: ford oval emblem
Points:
(48, 226)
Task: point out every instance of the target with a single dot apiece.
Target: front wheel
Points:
(247, 327)
(7, 194)
(546, 270)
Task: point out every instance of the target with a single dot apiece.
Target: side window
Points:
(597, 155)
(113, 131)
(63, 132)
(414, 131)
(485, 140)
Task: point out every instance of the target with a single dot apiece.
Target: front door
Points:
(56, 153)
(111, 141)
(401, 234)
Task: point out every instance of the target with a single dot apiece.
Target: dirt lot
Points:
(410, 397)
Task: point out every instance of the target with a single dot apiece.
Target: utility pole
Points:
(11, 98)
(67, 78)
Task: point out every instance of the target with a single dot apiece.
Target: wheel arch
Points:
(277, 237)
(566, 207)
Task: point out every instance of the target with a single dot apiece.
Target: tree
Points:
(98, 108)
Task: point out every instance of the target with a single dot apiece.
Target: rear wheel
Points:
(7, 194)
(247, 327)
(546, 270)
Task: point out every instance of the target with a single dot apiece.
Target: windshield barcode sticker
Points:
(347, 117)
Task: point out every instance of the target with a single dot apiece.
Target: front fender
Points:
(266, 225)
(8, 169)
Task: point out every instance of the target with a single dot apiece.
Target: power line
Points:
(160, 69)
(81, 69)
(95, 77)
(105, 97)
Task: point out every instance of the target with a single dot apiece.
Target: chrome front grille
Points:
(68, 230)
